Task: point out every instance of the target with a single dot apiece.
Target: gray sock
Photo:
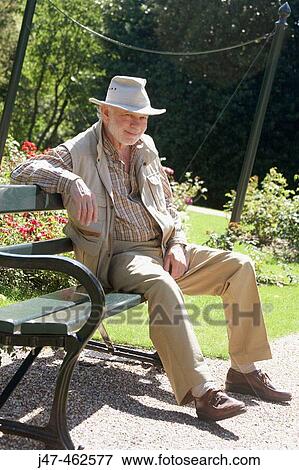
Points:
(244, 368)
(199, 390)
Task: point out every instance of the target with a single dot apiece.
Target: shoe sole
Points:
(249, 391)
(205, 417)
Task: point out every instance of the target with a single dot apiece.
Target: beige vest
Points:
(89, 162)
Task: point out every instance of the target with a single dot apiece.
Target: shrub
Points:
(188, 191)
(269, 225)
(271, 211)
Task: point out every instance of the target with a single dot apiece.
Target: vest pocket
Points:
(156, 191)
(86, 240)
(101, 199)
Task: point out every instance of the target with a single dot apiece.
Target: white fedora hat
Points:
(128, 93)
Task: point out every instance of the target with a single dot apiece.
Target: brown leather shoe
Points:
(255, 383)
(215, 405)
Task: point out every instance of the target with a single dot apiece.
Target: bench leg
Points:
(16, 379)
(55, 434)
(57, 425)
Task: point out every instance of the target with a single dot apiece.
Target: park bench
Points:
(64, 319)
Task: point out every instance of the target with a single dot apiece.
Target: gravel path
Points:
(127, 406)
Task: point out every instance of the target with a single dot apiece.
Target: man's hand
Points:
(175, 261)
(84, 201)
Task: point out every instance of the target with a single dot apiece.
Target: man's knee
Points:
(242, 261)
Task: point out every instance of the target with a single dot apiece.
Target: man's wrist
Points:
(65, 183)
(174, 243)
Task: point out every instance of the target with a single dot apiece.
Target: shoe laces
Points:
(216, 397)
(264, 377)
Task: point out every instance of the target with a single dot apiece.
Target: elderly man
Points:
(126, 229)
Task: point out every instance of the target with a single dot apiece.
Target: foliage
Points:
(187, 192)
(9, 10)
(26, 227)
(269, 226)
(57, 74)
(271, 211)
(223, 241)
(204, 85)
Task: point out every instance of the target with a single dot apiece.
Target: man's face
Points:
(123, 127)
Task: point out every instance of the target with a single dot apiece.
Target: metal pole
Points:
(16, 73)
(256, 129)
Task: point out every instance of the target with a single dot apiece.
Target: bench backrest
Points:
(23, 198)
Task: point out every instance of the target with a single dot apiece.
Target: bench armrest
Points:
(72, 268)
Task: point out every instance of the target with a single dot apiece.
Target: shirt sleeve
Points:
(178, 236)
(51, 171)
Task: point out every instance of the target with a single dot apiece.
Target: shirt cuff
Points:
(176, 241)
(65, 181)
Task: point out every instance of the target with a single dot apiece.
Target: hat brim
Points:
(148, 110)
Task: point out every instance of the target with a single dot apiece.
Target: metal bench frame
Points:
(44, 255)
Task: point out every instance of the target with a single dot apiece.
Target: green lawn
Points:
(199, 226)
(280, 303)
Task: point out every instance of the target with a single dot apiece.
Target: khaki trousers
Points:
(138, 267)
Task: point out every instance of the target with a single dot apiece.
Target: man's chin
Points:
(131, 140)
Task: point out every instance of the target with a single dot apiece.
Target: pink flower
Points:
(168, 171)
(188, 201)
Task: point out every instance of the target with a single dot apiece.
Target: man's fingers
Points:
(178, 271)
(95, 208)
(91, 210)
(88, 211)
(83, 212)
(78, 206)
(85, 203)
(175, 262)
(166, 264)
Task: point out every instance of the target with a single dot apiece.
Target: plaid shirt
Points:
(53, 173)
(132, 221)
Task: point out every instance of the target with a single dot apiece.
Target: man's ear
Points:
(105, 113)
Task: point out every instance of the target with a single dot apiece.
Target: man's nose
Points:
(135, 122)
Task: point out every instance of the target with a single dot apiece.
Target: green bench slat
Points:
(12, 316)
(62, 322)
(47, 247)
(117, 302)
(20, 198)
(62, 312)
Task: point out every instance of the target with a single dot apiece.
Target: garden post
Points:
(256, 129)
(16, 73)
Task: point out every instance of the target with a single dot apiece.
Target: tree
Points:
(8, 38)
(57, 74)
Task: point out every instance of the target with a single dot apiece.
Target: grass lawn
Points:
(280, 303)
(199, 226)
